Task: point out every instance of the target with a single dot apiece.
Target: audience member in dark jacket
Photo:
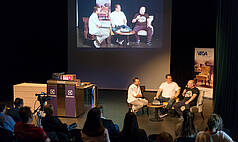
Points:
(14, 112)
(93, 129)
(54, 128)
(113, 129)
(131, 131)
(186, 129)
(6, 121)
(164, 137)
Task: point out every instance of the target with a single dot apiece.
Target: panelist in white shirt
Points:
(95, 28)
(134, 95)
(118, 21)
(168, 92)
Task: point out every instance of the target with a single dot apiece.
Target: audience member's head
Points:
(18, 103)
(164, 137)
(214, 122)
(93, 125)
(48, 109)
(25, 114)
(130, 124)
(188, 128)
(100, 107)
(2, 108)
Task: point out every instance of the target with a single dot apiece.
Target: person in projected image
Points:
(118, 21)
(95, 28)
(142, 23)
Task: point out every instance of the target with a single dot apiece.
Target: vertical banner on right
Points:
(204, 70)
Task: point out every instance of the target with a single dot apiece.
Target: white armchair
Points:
(199, 106)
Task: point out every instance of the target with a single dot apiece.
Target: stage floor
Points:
(115, 108)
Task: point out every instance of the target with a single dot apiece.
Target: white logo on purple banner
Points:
(52, 91)
(70, 92)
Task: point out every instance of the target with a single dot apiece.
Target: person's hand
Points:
(149, 26)
(187, 102)
(138, 17)
(155, 98)
(133, 20)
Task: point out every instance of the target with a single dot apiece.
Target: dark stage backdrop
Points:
(115, 68)
(34, 43)
(227, 65)
(193, 26)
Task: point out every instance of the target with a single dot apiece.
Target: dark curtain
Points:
(193, 25)
(226, 90)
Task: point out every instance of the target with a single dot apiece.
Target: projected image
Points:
(119, 24)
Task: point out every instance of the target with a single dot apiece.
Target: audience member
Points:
(14, 112)
(25, 131)
(6, 121)
(131, 131)
(214, 132)
(113, 129)
(164, 137)
(186, 130)
(55, 129)
(93, 129)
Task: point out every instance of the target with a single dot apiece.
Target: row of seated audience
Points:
(18, 123)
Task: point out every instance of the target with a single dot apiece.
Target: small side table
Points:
(156, 116)
(126, 34)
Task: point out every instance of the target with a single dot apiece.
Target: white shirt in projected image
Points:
(133, 91)
(169, 89)
(93, 24)
(117, 18)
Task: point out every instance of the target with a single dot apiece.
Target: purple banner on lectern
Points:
(70, 101)
(52, 91)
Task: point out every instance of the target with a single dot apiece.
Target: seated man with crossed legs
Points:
(95, 28)
(190, 94)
